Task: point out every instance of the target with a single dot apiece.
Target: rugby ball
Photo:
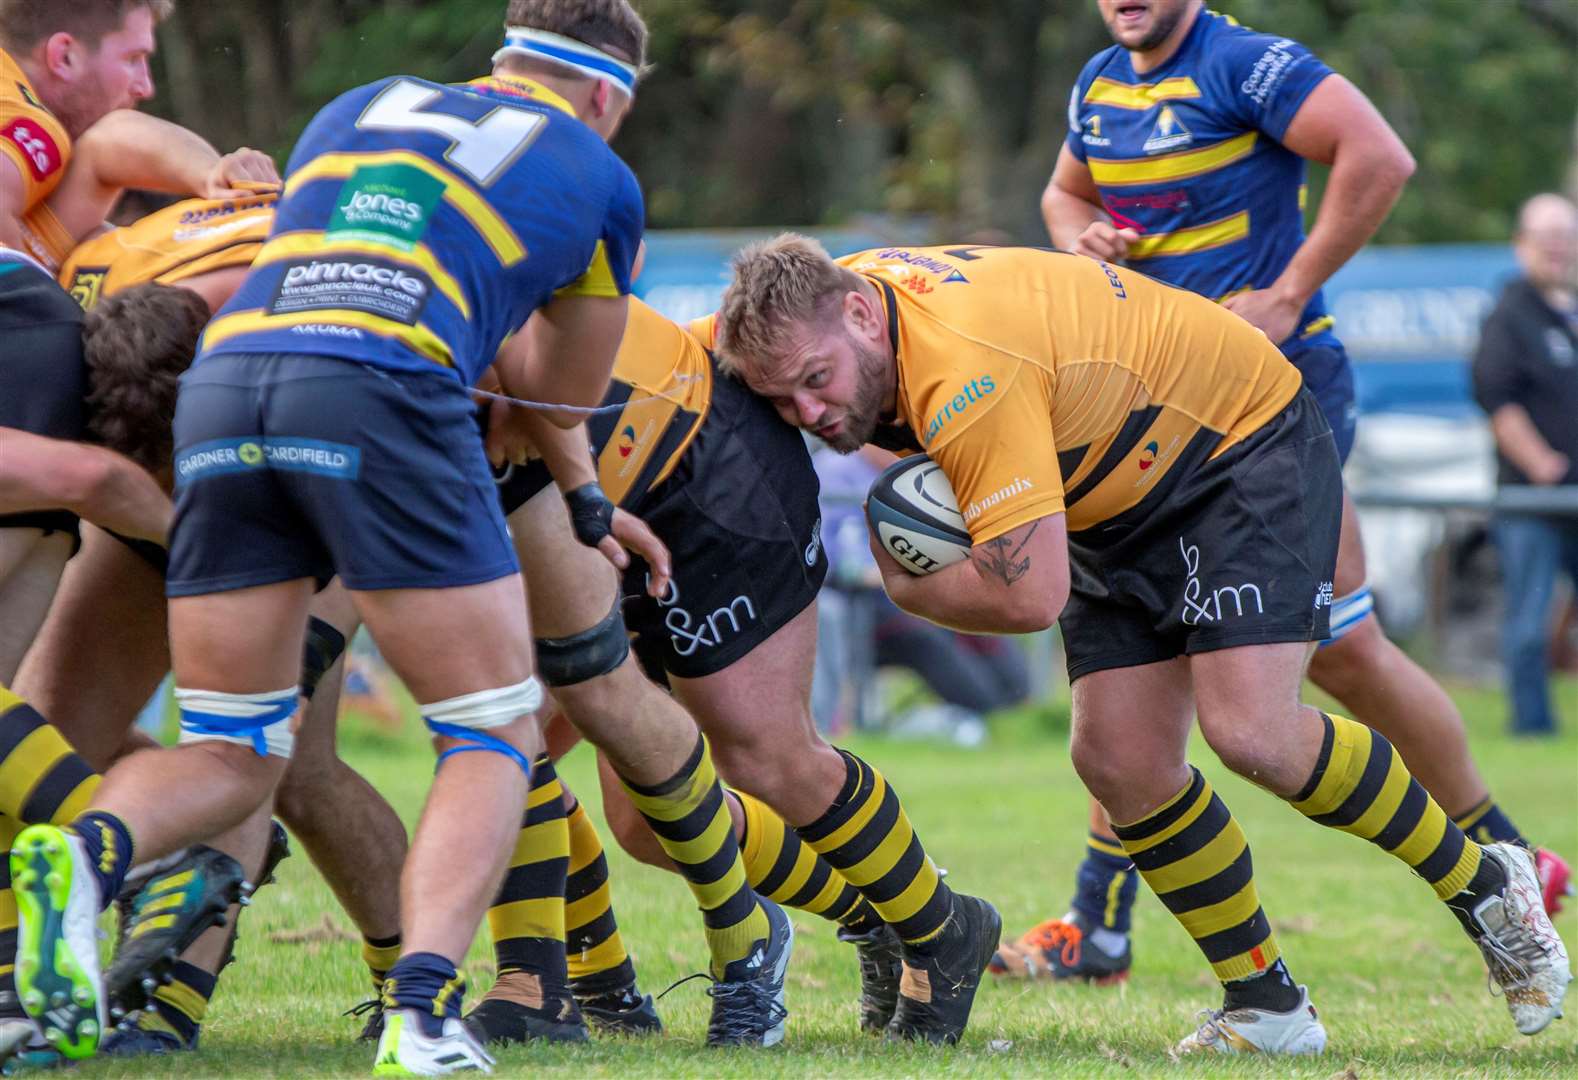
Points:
(914, 515)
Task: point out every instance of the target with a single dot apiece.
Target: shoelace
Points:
(742, 1002)
(1211, 1021)
(1059, 935)
(364, 1008)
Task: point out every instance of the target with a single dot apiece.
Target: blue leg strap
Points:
(251, 727)
(471, 739)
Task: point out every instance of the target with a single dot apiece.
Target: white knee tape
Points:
(261, 721)
(487, 708)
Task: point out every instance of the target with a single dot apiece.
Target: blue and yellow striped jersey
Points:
(422, 224)
(1190, 155)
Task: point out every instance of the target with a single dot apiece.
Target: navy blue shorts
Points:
(1329, 375)
(291, 466)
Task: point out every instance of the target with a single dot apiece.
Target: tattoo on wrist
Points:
(1003, 559)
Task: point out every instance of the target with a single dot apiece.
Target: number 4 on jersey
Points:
(482, 150)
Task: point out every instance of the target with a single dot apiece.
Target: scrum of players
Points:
(404, 386)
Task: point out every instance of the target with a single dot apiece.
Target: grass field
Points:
(1400, 990)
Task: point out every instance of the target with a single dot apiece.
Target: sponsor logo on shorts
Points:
(1200, 606)
(968, 395)
(386, 204)
(375, 286)
(1323, 595)
(220, 457)
(38, 148)
(1002, 494)
(688, 633)
(814, 548)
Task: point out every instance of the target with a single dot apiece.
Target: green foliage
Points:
(819, 111)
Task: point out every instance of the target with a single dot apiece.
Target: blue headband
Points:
(567, 52)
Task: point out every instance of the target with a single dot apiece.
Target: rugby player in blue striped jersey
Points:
(1186, 158)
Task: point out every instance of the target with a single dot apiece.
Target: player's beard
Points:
(83, 104)
(1166, 22)
(864, 412)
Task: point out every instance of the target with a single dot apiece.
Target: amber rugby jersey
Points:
(37, 145)
(1045, 382)
(663, 378)
(170, 246)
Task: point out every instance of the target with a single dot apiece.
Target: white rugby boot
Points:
(405, 1050)
(1258, 1031)
(1527, 960)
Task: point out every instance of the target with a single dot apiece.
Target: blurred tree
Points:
(818, 111)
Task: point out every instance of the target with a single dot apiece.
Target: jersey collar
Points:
(520, 86)
(895, 433)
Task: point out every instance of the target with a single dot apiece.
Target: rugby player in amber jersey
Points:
(1152, 474)
(1186, 158)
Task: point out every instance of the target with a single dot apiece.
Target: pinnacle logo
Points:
(1169, 133)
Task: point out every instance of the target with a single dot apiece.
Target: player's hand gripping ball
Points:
(913, 514)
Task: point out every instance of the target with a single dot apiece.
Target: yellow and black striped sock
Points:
(1193, 855)
(42, 779)
(867, 838)
(687, 814)
(380, 954)
(781, 867)
(181, 1004)
(527, 917)
(8, 830)
(1487, 823)
(1361, 786)
(598, 962)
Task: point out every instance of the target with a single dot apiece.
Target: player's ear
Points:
(863, 316)
(60, 54)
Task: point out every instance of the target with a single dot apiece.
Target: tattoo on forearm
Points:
(1003, 559)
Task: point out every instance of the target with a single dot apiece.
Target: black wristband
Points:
(322, 648)
(591, 514)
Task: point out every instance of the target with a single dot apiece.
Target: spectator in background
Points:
(860, 629)
(1526, 378)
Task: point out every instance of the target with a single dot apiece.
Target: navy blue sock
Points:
(1486, 823)
(109, 847)
(183, 1002)
(428, 984)
(1272, 989)
(1106, 885)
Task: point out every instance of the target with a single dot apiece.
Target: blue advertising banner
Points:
(1409, 315)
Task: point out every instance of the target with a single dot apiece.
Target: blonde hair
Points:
(601, 23)
(780, 285)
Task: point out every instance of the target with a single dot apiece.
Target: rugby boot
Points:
(57, 956)
(1556, 879)
(405, 1049)
(171, 912)
(748, 1002)
(278, 851)
(940, 978)
(616, 1010)
(881, 966)
(144, 1034)
(523, 1006)
(1258, 1031)
(1061, 950)
(16, 1027)
(1526, 958)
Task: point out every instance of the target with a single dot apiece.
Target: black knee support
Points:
(322, 647)
(583, 656)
